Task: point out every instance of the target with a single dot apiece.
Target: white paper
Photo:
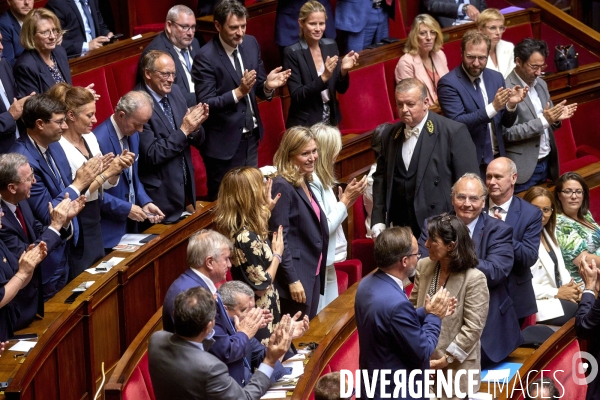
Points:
(133, 238)
(114, 260)
(23, 346)
(495, 375)
(297, 369)
(297, 357)
(482, 396)
(136, 37)
(274, 394)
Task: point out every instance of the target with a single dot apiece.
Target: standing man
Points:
(228, 75)
(127, 203)
(364, 22)
(166, 168)
(421, 156)
(475, 95)
(530, 141)
(391, 333)
(454, 12)
(526, 221)
(10, 27)
(178, 40)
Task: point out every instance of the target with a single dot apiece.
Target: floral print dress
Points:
(575, 238)
(251, 257)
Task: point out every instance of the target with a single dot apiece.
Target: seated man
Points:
(10, 27)
(452, 12)
(181, 368)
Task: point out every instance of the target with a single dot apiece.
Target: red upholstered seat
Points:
(139, 384)
(199, 173)
(104, 85)
(555, 38)
(408, 289)
(567, 150)
(342, 281)
(352, 268)
(453, 54)
(515, 34)
(529, 321)
(586, 134)
(562, 364)
(595, 202)
(140, 29)
(150, 17)
(389, 68)
(362, 247)
(124, 73)
(271, 115)
(262, 27)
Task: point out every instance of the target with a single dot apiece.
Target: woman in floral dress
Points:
(242, 213)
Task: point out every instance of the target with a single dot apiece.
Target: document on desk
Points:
(297, 369)
(23, 346)
(274, 394)
(134, 238)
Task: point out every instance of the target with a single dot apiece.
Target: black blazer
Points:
(32, 73)
(70, 20)
(162, 43)
(8, 125)
(305, 85)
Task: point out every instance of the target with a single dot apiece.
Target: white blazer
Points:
(544, 283)
(506, 58)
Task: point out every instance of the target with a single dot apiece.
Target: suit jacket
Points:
(493, 244)
(214, 79)
(526, 221)
(505, 56)
(522, 140)
(392, 334)
(11, 32)
(459, 101)
(204, 375)
(71, 21)
(411, 66)
(8, 125)
(9, 314)
(587, 327)
(32, 73)
(161, 42)
(446, 154)
(446, 11)
(305, 85)
(461, 332)
(286, 21)
(115, 206)
(160, 158)
(350, 15)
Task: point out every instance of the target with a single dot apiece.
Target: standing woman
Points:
(322, 185)
(301, 275)
(242, 214)
(317, 73)
(423, 57)
(502, 58)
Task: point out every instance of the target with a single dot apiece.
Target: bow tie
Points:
(408, 132)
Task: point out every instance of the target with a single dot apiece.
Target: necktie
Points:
(186, 57)
(248, 122)
(224, 312)
(168, 112)
(127, 172)
(88, 15)
(408, 132)
(499, 209)
(52, 165)
(488, 153)
(22, 221)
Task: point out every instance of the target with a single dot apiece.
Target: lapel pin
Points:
(397, 133)
(430, 127)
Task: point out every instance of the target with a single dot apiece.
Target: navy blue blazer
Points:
(161, 42)
(351, 15)
(392, 334)
(587, 326)
(493, 244)
(526, 221)
(459, 101)
(9, 314)
(11, 31)
(214, 79)
(70, 20)
(115, 206)
(8, 125)
(32, 73)
(160, 162)
(286, 21)
(446, 11)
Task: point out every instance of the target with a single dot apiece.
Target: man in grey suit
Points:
(530, 141)
(180, 366)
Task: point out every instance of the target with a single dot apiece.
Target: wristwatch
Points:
(465, 8)
(449, 358)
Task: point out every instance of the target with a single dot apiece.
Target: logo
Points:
(581, 363)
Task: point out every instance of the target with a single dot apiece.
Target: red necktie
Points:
(22, 221)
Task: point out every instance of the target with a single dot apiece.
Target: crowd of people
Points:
(441, 198)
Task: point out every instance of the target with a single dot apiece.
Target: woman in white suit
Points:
(555, 291)
(502, 58)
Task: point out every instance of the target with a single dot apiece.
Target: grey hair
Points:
(410, 83)
(512, 167)
(150, 58)
(472, 176)
(229, 290)
(205, 243)
(133, 101)
(9, 168)
(174, 12)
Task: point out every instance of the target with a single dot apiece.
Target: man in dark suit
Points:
(392, 334)
(203, 375)
(421, 157)
(474, 95)
(229, 75)
(82, 23)
(44, 118)
(286, 22)
(494, 247)
(526, 221)
(127, 203)
(10, 27)
(449, 12)
(530, 141)
(178, 40)
(166, 168)
(364, 22)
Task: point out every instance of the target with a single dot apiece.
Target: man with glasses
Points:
(530, 141)
(475, 95)
(494, 247)
(178, 40)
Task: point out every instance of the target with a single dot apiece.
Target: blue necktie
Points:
(186, 57)
(52, 165)
(88, 15)
(164, 102)
(127, 172)
(224, 312)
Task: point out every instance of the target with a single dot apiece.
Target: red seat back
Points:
(199, 173)
(359, 215)
(347, 355)
(263, 29)
(562, 370)
(342, 281)
(595, 201)
(104, 84)
(143, 13)
(124, 73)
(389, 68)
(139, 384)
(583, 131)
(453, 54)
(515, 34)
(271, 115)
(565, 142)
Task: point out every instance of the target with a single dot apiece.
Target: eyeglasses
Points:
(536, 67)
(461, 198)
(415, 254)
(185, 28)
(166, 75)
(496, 28)
(571, 192)
(58, 121)
(47, 32)
(471, 58)
(546, 210)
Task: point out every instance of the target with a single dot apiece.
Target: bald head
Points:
(500, 179)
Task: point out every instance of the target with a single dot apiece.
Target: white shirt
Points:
(188, 75)
(504, 206)
(408, 147)
(462, 18)
(206, 279)
(539, 111)
(398, 281)
(489, 108)
(13, 208)
(85, 47)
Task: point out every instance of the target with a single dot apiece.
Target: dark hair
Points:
(41, 106)
(473, 36)
(328, 387)
(573, 176)
(538, 191)
(226, 7)
(450, 228)
(193, 311)
(540, 384)
(392, 245)
(376, 138)
(149, 60)
(528, 46)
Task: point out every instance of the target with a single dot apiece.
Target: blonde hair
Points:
(308, 8)
(294, 140)
(330, 145)
(242, 203)
(28, 30)
(412, 41)
(487, 15)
